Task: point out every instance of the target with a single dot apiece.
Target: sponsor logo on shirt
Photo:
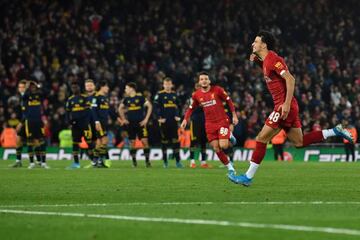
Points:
(208, 103)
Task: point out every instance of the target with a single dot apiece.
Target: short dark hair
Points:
(201, 73)
(75, 82)
(167, 79)
(22, 82)
(268, 38)
(132, 85)
(102, 84)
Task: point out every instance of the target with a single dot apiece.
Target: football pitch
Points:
(287, 201)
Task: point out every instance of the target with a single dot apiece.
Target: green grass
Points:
(140, 193)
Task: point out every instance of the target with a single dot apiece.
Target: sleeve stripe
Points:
(282, 72)
(228, 98)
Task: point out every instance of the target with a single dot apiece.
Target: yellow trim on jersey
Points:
(134, 108)
(27, 133)
(145, 132)
(192, 137)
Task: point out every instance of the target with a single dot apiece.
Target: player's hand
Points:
(122, 121)
(252, 57)
(235, 119)
(18, 127)
(285, 109)
(183, 124)
(143, 123)
(162, 120)
(177, 119)
(98, 126)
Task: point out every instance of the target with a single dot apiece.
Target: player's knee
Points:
(216, 148)
(298, 145)
(224, 145)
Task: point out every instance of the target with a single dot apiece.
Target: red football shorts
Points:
(216, 131)
(292, 121)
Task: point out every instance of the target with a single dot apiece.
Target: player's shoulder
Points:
(139, 95)
(161, 92)
(196, 93)
(217, 88)
(71, 97)
(273, 56)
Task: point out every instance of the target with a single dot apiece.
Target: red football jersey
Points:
(212, 104)
(273, 66)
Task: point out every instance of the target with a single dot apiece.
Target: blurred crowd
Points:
(143, 41)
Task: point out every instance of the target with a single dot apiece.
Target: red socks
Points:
(259, 153)
(312, 137)
(223, 158)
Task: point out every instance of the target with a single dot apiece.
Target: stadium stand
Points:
(142, 41)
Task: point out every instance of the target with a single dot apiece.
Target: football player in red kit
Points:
(217, 122)
(285, 115)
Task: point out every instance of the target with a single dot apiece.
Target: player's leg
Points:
(194, 143)
(91, 138)
(202, 143)
(143, 135)
(352, 150)
(347, 151)
(176, 150)
(164, 143)
(29, 143)
(30, 150)
(221, 155)
(101, 146)
(19, 148)
(145, 143)
(224, 143)
(37, 150)
(276, 151)
(76, 134)
(299, 139)
(131, 129)
(232, 138)
(203, 163)
(281, 152)
(42, 152)
(265, 135)
(133, 152)
(227, 146)
(92, 152)
(174, 139)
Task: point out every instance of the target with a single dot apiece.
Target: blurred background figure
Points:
(278, 145)
(350, 147)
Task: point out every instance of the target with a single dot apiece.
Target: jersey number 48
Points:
(274, 116)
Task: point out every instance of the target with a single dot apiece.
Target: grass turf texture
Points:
(140, 193)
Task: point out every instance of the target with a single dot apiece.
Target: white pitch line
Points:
(180, 203)
(343, 231)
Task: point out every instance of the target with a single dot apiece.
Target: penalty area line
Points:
(329, 230)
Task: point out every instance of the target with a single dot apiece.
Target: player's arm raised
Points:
(290, 86)
(149, 108)
(122, 119)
